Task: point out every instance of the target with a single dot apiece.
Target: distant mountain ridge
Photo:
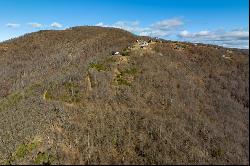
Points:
(65, 99)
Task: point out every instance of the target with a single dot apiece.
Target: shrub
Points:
(131, 71)
(99, 67)
(24, 149)
(44, 158)
(11, 100)
(47, 95)
(125, 52)
(122, 81)
(120, 78)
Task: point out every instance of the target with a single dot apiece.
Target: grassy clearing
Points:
(24, 149)
(98, 66)
(122, 79)
(131, 71)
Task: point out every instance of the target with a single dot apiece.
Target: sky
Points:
(221, 22)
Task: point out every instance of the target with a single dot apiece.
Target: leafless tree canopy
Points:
(65, 99)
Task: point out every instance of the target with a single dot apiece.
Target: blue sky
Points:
(223, 22)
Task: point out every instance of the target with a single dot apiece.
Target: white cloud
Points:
(35, 25)
(158, 29)
(100, 24)
(167, 24)
(12, 25)
(235, 38)
(203, 33)
(56, 25)
(217, 35)
(185, 34)
(154, 33)
(132, 26)
(236, 34)
(126, 23)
